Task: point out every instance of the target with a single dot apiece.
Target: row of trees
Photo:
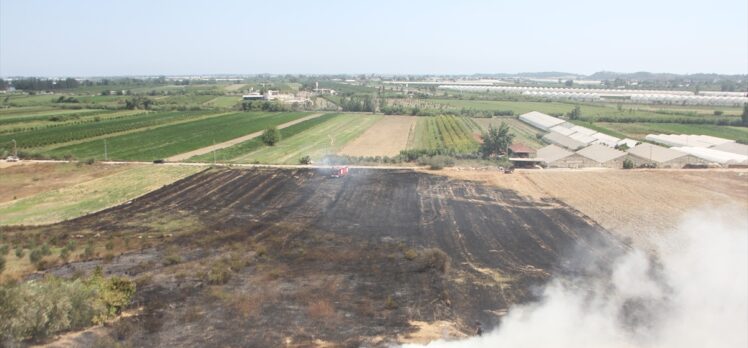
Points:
(37, 84)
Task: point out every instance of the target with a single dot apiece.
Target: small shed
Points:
(519, 150)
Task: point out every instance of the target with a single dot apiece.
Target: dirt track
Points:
(342, 261)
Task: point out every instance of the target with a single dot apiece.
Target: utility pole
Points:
(214, 152)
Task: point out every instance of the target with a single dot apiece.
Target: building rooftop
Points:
(540, 120)
(655, 153)
(564, 141)
(600, 153)
(520, 148)
(740, 149)
(552, 153)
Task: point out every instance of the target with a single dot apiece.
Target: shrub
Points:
(19, 252)
(88, 252)
(305, 160)
(436, 162)
(2, 264)
(172, 259)
(4, 249)
(219, 273)
(109, 245)
(35, 255)
(389, 303)
(40, 308)
(628, 164)
(271, 136)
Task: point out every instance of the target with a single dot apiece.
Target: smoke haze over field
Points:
(694, 295)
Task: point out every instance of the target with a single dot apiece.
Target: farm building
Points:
(603, 156)
(582, 138)
(686, 140)
(253, 96)
(557, 157)
(604, 139)
(561, 129)
(714, 156)
(740, 149)
(563, 141)
(540, 120)
(628, 142)
(662, 157)
(519, 150)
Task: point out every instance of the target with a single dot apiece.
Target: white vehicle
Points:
(12, 159)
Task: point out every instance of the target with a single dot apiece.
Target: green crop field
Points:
(323, 139)
(588, 110)
(246, 147)
(640, 130)
(224, 101)
(78, 131)
(446, 132)
(163, 142)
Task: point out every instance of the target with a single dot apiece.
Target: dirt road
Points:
(225, 144)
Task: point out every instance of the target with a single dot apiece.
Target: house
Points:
(253, 96)
(519, 150)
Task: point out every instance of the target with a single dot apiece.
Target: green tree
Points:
(496, 141)
(745, 114)
(575, 113)
(271, 136)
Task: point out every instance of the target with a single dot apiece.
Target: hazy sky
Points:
(135, 37)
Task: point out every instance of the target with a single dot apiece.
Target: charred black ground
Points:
(349, 261)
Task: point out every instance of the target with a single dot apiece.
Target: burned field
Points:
(270, 257)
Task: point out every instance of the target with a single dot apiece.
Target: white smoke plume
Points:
(694, 295)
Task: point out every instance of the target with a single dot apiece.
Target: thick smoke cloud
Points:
(692, 293)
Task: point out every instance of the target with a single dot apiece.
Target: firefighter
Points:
(479, 329)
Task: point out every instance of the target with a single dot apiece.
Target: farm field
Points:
(324, 254)
(460, 134)
(163, 142)
(324, 139)
(226, 144)
(640, 130)
(245, 147)
(387, 137)
(553, 107)
(19, 181)
(639, 205)
(106, 187)
(224, 101)
(523, 133)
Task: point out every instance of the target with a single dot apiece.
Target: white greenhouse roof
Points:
(712, 155)
(553, 153)
(562, 140)
(686, 140)
(606, 140)
(600, 153)
(562, 130)
(540, 120)
(740, 149)
(655, 153)
(583, 138)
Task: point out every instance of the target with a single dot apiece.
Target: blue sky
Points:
(96, 38)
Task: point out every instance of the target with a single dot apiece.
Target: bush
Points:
(271, 136)
(40, 308)
(628, 164)
(4, 249)
(436, 162)
(19, 252)
(2, 264)
(35, 255)
(305, 160)
(219, 273)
